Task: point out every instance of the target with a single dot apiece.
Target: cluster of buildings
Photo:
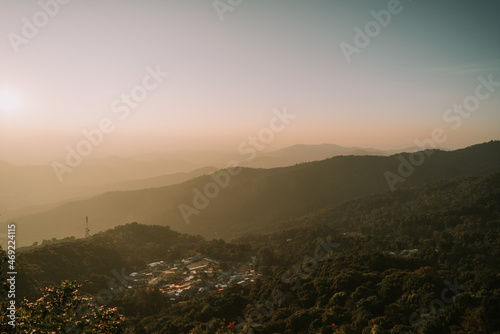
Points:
(405, 252)
(193, 276)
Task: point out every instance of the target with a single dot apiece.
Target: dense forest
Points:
(422, 260)
(417, 260)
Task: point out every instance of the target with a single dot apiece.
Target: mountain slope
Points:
(295, 154)
(27, 186)
(32, 185)
(380, 263)
(64, 194)
(420, 260)
(122, 248)
(255, 198)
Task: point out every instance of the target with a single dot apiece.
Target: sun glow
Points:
(9, 101)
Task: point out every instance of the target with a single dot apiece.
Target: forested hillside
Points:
(256, 198)
(418, 260)
(422, 260)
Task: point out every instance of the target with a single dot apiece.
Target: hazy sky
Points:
(226, 76)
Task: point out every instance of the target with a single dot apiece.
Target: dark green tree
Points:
(62, 309)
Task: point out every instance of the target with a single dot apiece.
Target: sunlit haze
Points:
(225, 77)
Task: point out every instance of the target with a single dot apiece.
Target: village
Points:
(193, 276)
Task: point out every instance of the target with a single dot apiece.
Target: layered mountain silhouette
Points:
(295, 154)
(33, 185)
(34, 188)
(257, 199)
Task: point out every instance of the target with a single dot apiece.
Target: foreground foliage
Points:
(62, 310)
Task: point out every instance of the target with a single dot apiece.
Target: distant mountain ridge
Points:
(38, 184)
(82, 192)
(37, 187)
(300, 153)
(255, 198)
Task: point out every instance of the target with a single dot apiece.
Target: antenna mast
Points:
(87, 231)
